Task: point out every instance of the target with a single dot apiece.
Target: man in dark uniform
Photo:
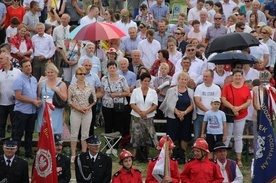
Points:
(12, 168)
(93, 166)
(63, 162)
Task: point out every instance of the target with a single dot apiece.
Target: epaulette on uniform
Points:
(173, 159)
(137, 170)
(117, 173)
(213, 160)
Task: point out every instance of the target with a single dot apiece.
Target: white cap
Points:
(216, 99)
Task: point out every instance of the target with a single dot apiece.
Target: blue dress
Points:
(56, 115)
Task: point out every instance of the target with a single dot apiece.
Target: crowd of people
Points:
(157, 71)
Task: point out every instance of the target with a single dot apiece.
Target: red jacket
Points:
(205, 171)
(132, 176)
(173, 167)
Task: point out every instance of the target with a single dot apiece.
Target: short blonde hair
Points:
(183, 74)
(80, 69)
(51, 66)
(267, 29)
(165, 65)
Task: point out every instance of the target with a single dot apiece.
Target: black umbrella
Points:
(232, 41)
(232, 57)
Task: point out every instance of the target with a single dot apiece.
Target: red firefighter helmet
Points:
(201, 143)
(125, 154)
(162, 142)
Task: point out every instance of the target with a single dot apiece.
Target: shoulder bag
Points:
(57, 101)
(230, 117)
(118, 106)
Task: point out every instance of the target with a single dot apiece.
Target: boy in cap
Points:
(215, 120)
(229, 169)
(12, 168)
(63, 162)
(93, 165)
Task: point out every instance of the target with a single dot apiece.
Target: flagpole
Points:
(166, 165)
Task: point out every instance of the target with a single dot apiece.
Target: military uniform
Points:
(173, 170)
(64, 175)
(96, 172)
(16, 173)
(130, 176)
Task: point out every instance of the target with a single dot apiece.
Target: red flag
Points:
(45, 168)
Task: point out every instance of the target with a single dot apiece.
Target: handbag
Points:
(57, 101)
(118, 106)
(230, 117)
(91, 99)
(63, 63)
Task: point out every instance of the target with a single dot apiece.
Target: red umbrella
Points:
(96, 31)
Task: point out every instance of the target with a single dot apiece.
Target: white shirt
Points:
(192, 75)
(6, 82)
(175, 57)
(247, 29)
(138, 99)
(203, 27)
(228, 8)
(251, 75)
(149, 52)
(55, 23)
(43, 45)
(194, 14)
(219, 80)
(238, 178)
(197, 66)
(40, 2)
(206, 95)
(125, 26)
(87, 20)
(259, 51)
(60, 34)
(5, 158)
(10, 32)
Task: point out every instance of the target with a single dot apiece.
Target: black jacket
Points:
(100, 170)
(64, 162)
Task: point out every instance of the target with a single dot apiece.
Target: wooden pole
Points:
(167, 161)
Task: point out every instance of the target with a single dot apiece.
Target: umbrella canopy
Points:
(232, 57)
(232, 41)
(96, 31)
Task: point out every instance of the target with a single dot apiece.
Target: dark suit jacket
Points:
(64, 162)
(100, 170)
(18, 172)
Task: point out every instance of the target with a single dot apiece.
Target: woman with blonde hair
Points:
(46, 89)
(81, 98)
(174, 55)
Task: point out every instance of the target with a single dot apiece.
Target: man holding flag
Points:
(265, 155)
(45, 168)
(158, 166)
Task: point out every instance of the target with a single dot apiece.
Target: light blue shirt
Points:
(130, 77)
(91, 78)
(96, 63)
(215, 120)
(159, 12)
(28, 87)
(128, 45)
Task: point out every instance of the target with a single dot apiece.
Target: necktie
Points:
(9, 163)
(64, 33)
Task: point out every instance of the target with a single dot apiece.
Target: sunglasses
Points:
(141, 9)
(264, 32)
(141, 27)
(246, 1)
(177, 33)
(242, 28)
(81, 74)
(190, 50)
(217, 18)
(16, 0)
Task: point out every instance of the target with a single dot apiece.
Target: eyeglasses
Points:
(217, 18)
(177, 33)
(246, 1)
(264, 32)
(190, 50)
(141, 27)
(81, 74)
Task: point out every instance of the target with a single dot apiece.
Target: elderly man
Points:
(89, 55)
(93, 165)
(8, 75)
(256, 9)
(125, 23)
(228, 168)
(148, 49)
(60, 34)
(204, 24)
(130, 43)
(136, 61)
(12, 168)
(44, 49)
(26, 104)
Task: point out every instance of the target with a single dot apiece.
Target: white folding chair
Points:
(110, 140)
